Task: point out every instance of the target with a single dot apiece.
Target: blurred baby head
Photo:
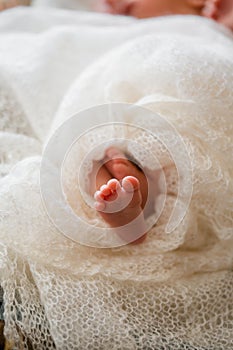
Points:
(154, 8)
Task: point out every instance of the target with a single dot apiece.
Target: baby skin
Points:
(219, 10)
(121, 182)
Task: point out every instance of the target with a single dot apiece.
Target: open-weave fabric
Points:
(171, 292)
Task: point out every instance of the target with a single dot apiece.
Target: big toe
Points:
(132, 185)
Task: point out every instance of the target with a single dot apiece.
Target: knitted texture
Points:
(174, 291)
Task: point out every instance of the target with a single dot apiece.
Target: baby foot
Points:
(119, 204)
(119, 167)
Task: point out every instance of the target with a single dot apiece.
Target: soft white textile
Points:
(68, 4)
(171, 292)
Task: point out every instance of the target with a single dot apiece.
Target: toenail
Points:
(103, 188)
(130, 184)
(127, 185)
(115, 183)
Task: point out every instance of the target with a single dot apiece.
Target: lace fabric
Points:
(171, 292)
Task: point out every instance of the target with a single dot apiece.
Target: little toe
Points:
(99, 196)
(99, 206)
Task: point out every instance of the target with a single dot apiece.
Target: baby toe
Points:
(114, 184)
(105, 190)
(130, 184)
(99, 206)
(99, 196)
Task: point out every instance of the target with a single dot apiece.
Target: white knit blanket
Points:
(174, 290)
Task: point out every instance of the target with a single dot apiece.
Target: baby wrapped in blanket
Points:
(173, 290)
